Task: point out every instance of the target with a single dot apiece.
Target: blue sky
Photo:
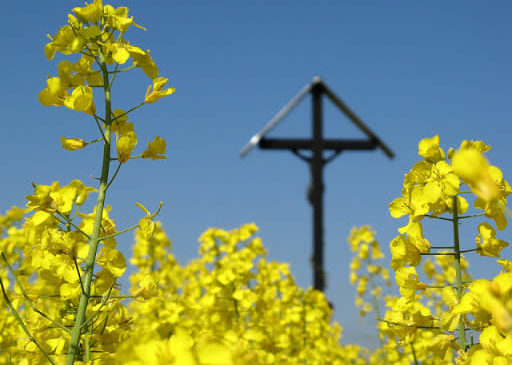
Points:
(409, 69)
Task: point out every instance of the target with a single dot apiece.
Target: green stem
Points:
(104, 300)
(123, 70)
(130, 110)
(87, 346)
(99, 126)
(97, 117)
(407, 325)
(76, 333)
(304, 324)
(131, 157)
(79, 276)
(103, 238)
(28, 300)
(152, 216)
(470, 250)
(94, 141)
(414, 354)
(70, 222)
(438, 254)
(441, 286)
(376, 307)
(458, 271)
(436, 217)
(114, 176)
(114, 73)
(235, 305)
(22, 324)
(472, 216)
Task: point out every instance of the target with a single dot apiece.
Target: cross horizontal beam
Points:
(319, 86)
(327, 144)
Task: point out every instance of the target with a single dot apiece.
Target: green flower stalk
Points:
(432, 188)
(368, 276)
(95, 238)
(96, 33)
(458, 272)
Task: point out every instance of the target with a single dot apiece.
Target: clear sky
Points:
(409, 69)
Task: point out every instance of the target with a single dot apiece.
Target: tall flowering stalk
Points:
(432, 188)
(369, 276)
(96, 34)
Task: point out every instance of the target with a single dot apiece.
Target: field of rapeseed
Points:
(60, 268)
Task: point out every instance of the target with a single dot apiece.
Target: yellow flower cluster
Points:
(96, 33)
(490, 304)
(45, 257)
(440, 316)
(422, 328)
(362, 241)
(229, 306)
(429, 190)
(397, 330)
(60, 268)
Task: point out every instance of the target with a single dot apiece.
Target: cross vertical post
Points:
(316, 165)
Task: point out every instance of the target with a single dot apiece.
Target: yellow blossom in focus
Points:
(487, 243)
(403, 251)
(66, 41)
(429, 149)
(81, 100)
(72, 144)
(41, 199)
(67, 75)
(111, 259)
(118, 18)
(125, 145)
(90, 13)
(143, 60)
(54, 94)
(158, 92)
(83, 68)
(82, 191)
(155, 149)
(119, 53)
(408, 282)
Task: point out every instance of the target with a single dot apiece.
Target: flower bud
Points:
(72, 144)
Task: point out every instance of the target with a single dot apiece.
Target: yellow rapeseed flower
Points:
(72, 144)
(91, 13)
(487, 243)
(429, 149)
(155, 149)
(55, 92)
(125, 145)
(157, 93)
(81, 100)
(473, 168)
(118, 18)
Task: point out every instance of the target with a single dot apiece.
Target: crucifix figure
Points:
(316, 160)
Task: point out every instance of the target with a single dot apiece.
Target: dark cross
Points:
(317, 144)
